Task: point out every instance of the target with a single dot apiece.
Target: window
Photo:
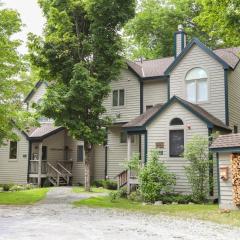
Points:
(196, 85)
(176, 142)
(148, 107)
(118, 98)
(80, 153)
(44, 152)
(123, 137)
(13, 150)
(235, 129)
(176, 121)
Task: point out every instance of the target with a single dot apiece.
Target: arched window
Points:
(196, 85)
(176, 121)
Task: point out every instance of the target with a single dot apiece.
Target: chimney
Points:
(180, 40)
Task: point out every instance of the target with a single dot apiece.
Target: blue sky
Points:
(31, 16)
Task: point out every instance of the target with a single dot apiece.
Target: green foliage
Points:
(98, 183)
(196, 152)
(221, 19)
(177, 198)
(12, 87)
(81, 54)
(109, 184)
(122, 192)
(113, 196)
(6, 187)
(135, 196)
(155, 179)
(150, 33)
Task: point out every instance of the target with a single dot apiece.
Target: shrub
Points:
(122, 192)
(154, 179)
(135, 196)
(16, 188)
(179, 198)
(196, 152)
(6, 187)
(109, 184)
(113, 196)
(98, 183)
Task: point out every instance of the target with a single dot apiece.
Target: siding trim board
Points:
(145, 147)
(37, 85)
(226, 96)
(188, 47)
(141, 97)
(227, 149)
(218, 180)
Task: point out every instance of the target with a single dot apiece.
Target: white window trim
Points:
(118, 106)
(13, 159)
(196, 80)
(175, 127)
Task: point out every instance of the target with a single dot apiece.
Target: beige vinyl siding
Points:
(226, 199)
(154, 92)
(14, 171)
(234, 97)
(196, 57)
(130, 83)
(117, 152)
(37, 95)
(158, 131)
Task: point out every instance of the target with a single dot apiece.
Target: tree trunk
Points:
(88, 149)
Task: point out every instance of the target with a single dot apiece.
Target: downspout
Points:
(211, 172)
(141, 112)
(145, 147)
(218, 176)
(106, 155)
(29, 158)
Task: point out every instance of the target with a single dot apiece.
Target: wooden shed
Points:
(227, 148)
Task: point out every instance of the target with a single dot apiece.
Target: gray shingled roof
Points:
(44, 130)
(144, 118)
(226, 141)
(157, 67)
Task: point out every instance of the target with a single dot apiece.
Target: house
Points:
(156, 104)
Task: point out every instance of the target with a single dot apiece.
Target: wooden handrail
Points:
(61, 166)
(122, 178)
(53, 168)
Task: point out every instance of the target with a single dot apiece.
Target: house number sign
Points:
(159, 144)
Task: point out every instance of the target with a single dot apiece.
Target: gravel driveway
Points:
(56, 218)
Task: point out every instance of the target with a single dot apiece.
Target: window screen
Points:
(176, 139)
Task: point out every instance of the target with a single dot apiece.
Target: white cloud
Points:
(31, 16)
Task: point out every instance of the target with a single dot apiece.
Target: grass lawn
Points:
(23, 197)
(93, 190)
(202, 212)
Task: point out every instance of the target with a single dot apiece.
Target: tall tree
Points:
(12, 88)
(221, 19)
(80, 55)
(150, 33)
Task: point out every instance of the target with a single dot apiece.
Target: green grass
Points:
(93, 190)
(25, 197)
(202, 212)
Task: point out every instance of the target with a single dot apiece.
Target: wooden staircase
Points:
(127, 178)
(59, 175)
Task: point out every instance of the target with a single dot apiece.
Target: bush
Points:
(154, 179)
(16, 188)
(135, 196)
(6, 187)
(109, 184)
(197, 153)
(113, 196)
(122, 192)
(179, 198)
(98, 183)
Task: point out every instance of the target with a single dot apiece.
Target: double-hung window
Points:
(196, 85)
(118, 97)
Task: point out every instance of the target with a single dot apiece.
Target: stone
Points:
(174, 203)
(158, 203)
(190, 203)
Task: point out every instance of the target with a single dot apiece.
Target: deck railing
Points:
(33, 168)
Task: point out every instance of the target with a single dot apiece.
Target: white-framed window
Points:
(197, 85)
(118, 97)
(13, 150)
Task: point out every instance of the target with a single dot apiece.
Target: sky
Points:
(31, 16)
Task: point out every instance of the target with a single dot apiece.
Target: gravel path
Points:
(56, 218)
